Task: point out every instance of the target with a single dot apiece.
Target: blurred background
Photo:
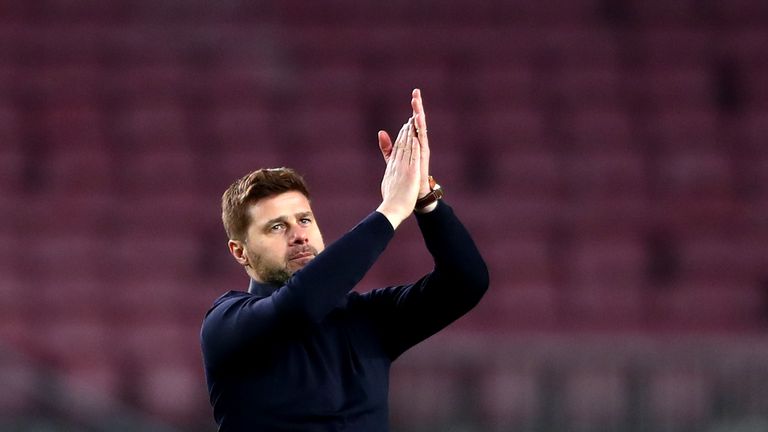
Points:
(608, 156)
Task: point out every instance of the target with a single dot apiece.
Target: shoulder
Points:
(228, 300)
(375, 299)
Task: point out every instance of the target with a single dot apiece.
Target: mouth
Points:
(302, 256)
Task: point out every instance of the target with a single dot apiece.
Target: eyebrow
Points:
(283, 218)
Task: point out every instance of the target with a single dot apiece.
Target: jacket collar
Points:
(261, 289)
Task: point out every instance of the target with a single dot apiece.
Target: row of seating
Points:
(528, 382)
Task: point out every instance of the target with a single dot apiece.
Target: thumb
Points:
(385, 145)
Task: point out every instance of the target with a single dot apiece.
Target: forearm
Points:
(456, 256)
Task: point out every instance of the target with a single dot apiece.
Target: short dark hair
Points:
(259, 184)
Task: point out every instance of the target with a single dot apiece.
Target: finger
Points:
(415, 94)
(408, 140)
(417, 103)
(397, 148)
(385, 144)
(418, 112)
(415, 149)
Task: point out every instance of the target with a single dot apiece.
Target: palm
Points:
(385, 142)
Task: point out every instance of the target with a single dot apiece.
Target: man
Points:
(300, 351)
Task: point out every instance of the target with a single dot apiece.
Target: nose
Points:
(298, 235)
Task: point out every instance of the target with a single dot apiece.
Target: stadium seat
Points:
(679, 398)
(509, 397)
(595, 398)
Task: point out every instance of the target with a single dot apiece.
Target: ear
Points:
(237, 249)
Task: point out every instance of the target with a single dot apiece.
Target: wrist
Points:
(429, 208)
(394, 215)
(428, 201)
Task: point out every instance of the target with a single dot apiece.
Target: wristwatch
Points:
(436, 193)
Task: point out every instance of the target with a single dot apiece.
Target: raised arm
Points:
(408, 314)
(241, 322)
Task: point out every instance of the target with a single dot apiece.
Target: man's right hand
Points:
(401, 181)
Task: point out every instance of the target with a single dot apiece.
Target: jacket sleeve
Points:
(407, 314)
(308, 296)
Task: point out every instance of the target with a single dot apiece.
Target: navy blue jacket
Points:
(313, 356)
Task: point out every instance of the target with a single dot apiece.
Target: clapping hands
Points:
(406, 175)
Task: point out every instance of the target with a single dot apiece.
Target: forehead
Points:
(284, 204)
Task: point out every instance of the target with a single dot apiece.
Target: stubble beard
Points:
(270, 273)
(277, 274)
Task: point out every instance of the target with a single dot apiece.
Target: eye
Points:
(305, 221)
(277, 227)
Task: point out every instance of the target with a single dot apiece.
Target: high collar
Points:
(261, 289)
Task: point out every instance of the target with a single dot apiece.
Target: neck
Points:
(261, 288)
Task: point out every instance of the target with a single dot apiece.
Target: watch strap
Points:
(436, 193)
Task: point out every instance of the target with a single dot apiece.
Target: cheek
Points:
(317, 240)
(267, 251)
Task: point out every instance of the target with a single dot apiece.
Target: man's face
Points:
(282, 237)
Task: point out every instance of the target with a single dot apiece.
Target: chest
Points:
(333, 366)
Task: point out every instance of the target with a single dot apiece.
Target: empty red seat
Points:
(575, 46)
(421, 397)
(85, 293)
(726, 256)
(678, 127)
(702, 172)
(529, 173)
(72, 214)
(94, 388)
(510, 397)
(505, 83)
(21, 380)
(309, 128)
(679, 398)
(253, 127)
(705, 305)
(503, 130)
(589, 85)
(13, 164)
(675, 88)
(354, 168)
(447, 128)
(606, 175)
(155, 125)
(11, 121)
(743, 12)
(753, 129)
(595, 397)
(605, 279)
(451, 167)
(607, 129)
(521, 258)
(164, 298)
(406, 258)
(73, 341)
(692, 43)
(174, 393)
(160, 170)
(514, 304)
(158, 254)
(83, 171)
(182, 212)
